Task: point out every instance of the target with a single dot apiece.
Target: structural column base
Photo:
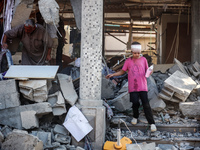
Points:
(96, 118)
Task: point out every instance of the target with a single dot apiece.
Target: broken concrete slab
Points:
(177, 87)
(167, 147)
(181, 67)
(190, 109)
(143, 146)
(162, 67)
(8, 86)
(195, 69)
(12, 116)
(5, 130)
(21, 141)
(29, 120)
(124, 88)
(34, 90)
(173, 69)
(60, 129)
(122, 102)
(57, 103)
(9, 96)
(107, 89)
(62, 138)
(67, 88)
(40, 108)
(152, 88)
(45, 137)
(157, 104)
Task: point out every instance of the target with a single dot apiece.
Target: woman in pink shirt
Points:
(137, 83)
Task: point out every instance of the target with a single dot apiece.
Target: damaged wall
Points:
(162, 38)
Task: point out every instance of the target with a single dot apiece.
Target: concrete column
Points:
(91, 70)
(91, 56)
(195, 24)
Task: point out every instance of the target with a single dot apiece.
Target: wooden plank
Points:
(25, 72)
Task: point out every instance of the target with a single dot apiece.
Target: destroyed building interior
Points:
(72, 105)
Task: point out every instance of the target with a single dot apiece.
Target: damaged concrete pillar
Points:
(90, 70)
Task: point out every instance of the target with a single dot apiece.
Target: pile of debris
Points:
(174, 99)
(33, 112)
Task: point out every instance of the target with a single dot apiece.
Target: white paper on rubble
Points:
(76, 123)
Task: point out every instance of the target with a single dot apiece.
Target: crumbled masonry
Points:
(30, 111)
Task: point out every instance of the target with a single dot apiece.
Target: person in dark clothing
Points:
(36, 42)
(61, 43)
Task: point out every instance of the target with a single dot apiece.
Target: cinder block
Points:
(177, 87)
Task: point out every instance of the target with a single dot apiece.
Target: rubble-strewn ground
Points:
(32, 113)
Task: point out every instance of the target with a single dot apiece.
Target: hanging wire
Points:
(54, 22)
(176, 37)
(131, 134)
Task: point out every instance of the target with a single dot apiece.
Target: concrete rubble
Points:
(36, 109)
(34, 90)
(177, 87)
